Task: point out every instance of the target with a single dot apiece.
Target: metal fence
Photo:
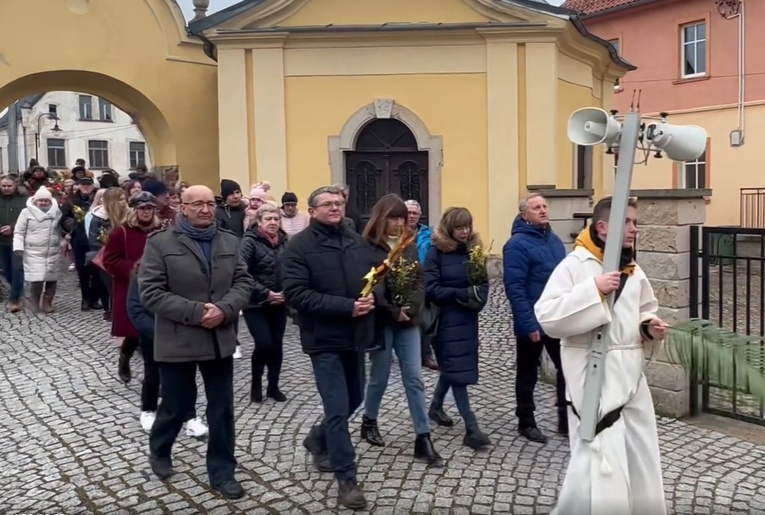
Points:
(727, 272)
(752, 202)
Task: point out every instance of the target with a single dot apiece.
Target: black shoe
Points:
(85, 305)
(424, 450)
(276, 394)
(439, 416)
(123, 368)
(532, 433)
(320, 457)
(230, 489)
(162, 467)
(256, 392)
(476, 439)
(350, 495)
(96, 305)
(107, 316)
(370, 432)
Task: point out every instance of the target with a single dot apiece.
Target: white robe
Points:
(619, 472)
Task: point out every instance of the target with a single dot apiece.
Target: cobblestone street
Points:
(71, 442)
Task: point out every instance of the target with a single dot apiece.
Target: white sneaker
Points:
(147, 420)
(196, 428)
(71, 267)
(238, 352)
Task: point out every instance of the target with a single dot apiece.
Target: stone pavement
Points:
(70, 440)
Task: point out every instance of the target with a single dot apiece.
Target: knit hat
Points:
(85, 180)
(229, 187)
(142, 199)
(155, 187)
(260, 190)
(42, 193)
(289, 197)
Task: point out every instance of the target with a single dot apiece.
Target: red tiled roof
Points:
(595, 6)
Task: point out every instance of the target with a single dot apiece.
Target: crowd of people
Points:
(174, 270)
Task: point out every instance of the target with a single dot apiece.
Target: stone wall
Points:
(664, 253)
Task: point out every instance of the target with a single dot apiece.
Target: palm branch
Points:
(710, 353)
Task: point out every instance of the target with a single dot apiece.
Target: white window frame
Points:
(130, 152)
(695, 43)
(107, 150)
(48, 148)
(85, 109)
(698, 164)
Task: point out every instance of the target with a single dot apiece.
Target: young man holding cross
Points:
(619, 472)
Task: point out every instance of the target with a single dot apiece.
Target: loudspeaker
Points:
(592, 126)
(679, 142)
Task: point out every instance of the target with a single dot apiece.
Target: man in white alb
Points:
(619, 472)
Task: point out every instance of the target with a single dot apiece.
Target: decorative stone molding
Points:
(387, 109)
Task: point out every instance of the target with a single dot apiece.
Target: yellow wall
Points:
(453, 107)
(729, 168)
(346, 12)
(135, 54)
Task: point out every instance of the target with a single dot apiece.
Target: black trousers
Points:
(177, 383)
(91, 285)
(528, 358)
(266, 325)
(426, 345)
(150, 386)
(105, 291)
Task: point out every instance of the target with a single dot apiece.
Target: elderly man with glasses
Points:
(193, 281)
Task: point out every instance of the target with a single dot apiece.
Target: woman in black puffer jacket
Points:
(266, 315)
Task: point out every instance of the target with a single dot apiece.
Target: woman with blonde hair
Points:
(109, 214)
(399, 320)
(451, 288)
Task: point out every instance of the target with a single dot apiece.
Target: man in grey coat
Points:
(191, 278)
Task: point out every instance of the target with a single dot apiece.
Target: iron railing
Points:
(727, 287)
(752, 202)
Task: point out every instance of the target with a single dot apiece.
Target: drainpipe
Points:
(737, 136)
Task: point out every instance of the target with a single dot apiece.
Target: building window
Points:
(56, 153)
(582, 167)
(98, 154)
(2, 165)
(86, 107)
(104, 110)
(693, 174)
(53, 109)
(694, 50)
(137, 151)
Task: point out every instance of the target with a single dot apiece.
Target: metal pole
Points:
(37, 146)
(13, 138)
(593, 383)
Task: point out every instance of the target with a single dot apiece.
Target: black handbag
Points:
(429, 319)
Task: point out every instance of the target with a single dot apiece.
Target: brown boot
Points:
(15, 307)
(47, 304)
(34, 303)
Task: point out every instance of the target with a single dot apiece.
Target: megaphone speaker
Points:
(679, 142)
(592, 126)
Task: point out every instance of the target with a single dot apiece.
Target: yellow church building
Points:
(450, 102)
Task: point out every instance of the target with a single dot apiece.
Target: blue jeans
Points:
(406, 342)
(340, 380)
(461, 398)
(13, 271)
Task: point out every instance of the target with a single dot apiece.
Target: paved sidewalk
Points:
(70, 440)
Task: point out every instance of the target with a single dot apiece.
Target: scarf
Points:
(202, 236)
(589, 240)
(272, 239)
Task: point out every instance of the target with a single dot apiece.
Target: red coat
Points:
(121, 252)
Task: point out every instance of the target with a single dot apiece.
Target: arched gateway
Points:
(135, 54)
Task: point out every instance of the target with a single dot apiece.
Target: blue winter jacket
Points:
(142, 318)
(529, 257)
(424, 241)
(456, 341)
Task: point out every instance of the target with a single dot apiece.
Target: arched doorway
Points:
(386, 159)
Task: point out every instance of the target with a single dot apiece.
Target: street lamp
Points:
(56, 129)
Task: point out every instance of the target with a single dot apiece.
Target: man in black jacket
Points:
(322, 277)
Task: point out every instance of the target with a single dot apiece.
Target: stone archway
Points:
(138, 55)
(382, 109)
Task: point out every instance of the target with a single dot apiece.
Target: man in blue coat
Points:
(530, 256)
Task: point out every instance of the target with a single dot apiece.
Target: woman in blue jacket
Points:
(456, 342)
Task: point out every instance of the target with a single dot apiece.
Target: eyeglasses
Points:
(199, 204)
(331, 203)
